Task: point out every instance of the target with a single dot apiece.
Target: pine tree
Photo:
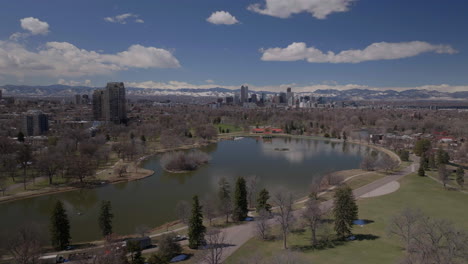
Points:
(460, 176)
(262, 201)
(240, 200)
(196, 230)
(20, 136)
(345, 211)
(138, 258)
(60, 227)
(421, 171)
(105, 218)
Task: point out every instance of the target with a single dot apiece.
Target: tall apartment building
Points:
(109, 104)
(35, 123)
(244, 94)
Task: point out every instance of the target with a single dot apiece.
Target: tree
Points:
(138, 258)
(460, 176)
(209, 208)
(168, 248)
(120, 170)
(261, 223)
(60, 227)
(404, 225)
(443, 174)
(24, 158)
(240, 200)
(182, 211)
(421, 147)
(224, 198)
(113, 252)
(442, 157)
(81, 168)
(105, 218)
(196, 230)
(216, 242)
(284, 201)
(387, 163)
(252, 185)
(404, 155)
(368, 163)
(20, 137)
(421, 171)
(345, 211)
(312, 215)
(48, 164)
(262, 201)
(24, 244)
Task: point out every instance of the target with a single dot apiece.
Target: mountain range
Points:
(63, 91)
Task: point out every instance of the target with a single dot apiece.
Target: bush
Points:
(184, 161)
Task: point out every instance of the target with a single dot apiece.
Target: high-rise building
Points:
(244, 94)
(77, 99)
(289, 96)
(254, 98)
(109, 104)
(282, 98)
(35, 123)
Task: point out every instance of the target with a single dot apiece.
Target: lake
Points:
(281, 162)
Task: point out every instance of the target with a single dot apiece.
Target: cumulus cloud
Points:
(222, 18)
(376, 51)
(35, 26)
(124, 18)
(63, 59)
(319, 9)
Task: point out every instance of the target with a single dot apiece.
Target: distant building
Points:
(1, 94)
(229, 100)
(282, 98)
(109, 104)
(254, 98)
(35, 123)
(244, 94)
(77, 99)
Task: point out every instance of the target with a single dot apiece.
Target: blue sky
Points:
(411, 44)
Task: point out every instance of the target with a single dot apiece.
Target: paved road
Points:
(239, 235)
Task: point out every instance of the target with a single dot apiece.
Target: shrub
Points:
(184, 161)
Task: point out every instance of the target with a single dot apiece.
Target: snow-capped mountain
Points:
(352, 94)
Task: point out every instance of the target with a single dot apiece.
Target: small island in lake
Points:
(181, 161)
(281, 149)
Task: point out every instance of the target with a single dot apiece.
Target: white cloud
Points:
(209, 81)
(319, 9)
(123, 18)
(35, 26)
(63, 59)
(376, 51)
(222, 18)
(173, 85)
(75, 83)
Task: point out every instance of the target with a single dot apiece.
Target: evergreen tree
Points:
(105, 218)
(143, 138)
(431, 161)
(460, 176)
(424, 162)
(60, 227)
(421, 147)
(240, 200)
(196, 230)
(262, 201)
(442, 157)
(138, 258)
(345, 211)
(20, 137)
(421, 171)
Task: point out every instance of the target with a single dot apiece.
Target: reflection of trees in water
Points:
(121, 186)
(181, 178)
(210, 148)
(345, 147)
(80, 201)
(333, 145)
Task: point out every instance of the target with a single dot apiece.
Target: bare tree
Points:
(443, 174)
(3, 184)
(387, 163)
(209, 208)
(142, 230)
(113, 252)
(182, 211)
(25, 244)
(312, 215)
(404, 225)
(216, 243)
(120, 170)
(252, 188)
(48, 164)
(81, 167)
(284, 201)
(24, 158)
(261, 224)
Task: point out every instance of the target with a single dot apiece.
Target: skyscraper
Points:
(109, 104)
(35, 123)
(244, 94)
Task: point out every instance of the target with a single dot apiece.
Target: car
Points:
(179, 238)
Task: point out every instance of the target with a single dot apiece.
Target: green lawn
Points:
(231, 128)
(415, 191)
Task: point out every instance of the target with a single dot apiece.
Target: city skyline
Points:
(353, 44)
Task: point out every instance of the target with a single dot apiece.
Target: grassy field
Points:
(375, 246)
(231, 128)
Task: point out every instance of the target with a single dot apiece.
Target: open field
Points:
(376, 246)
